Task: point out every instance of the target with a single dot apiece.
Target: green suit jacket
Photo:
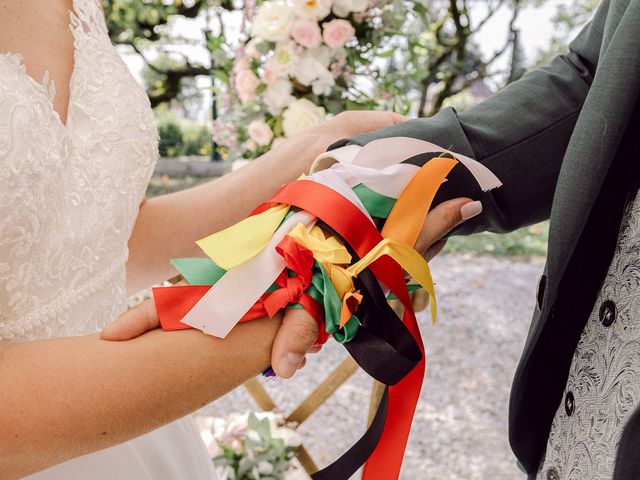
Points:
(553, 138)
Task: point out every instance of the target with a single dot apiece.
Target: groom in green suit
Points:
(564, 140)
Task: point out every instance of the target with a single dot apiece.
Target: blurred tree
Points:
(429, 45)
(142, 24)
(436, 57)
(136, 23)
(189, 98)
(568, 19)
(170, 144)
(517, 67)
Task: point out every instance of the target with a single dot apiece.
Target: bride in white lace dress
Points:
(76, 152)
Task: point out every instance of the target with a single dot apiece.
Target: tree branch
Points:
(489, 15)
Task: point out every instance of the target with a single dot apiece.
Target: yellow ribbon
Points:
(244, 240)
(409, 259)
(325, 248)
(331, 253)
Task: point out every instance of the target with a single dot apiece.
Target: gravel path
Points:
(460, 428)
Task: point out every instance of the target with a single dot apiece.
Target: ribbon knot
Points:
(299, 260)
(294, 288)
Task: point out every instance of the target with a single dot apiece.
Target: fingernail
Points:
(470, 210)
(289, 364)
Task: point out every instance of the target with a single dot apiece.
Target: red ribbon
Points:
(173, 303)
(354, 227)
(357, 230)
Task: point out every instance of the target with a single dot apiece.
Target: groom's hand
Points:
(299, 331)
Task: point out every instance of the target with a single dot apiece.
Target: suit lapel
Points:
(595, 140)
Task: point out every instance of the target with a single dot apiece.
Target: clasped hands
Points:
(299, 331)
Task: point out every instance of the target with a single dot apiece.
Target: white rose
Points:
(283, 60)
(273, 21)
(312, 9)
(324, 83)
(307, 70)
(312, 70)
(322, 54)
(300, 115)
(342, 8)
(277, 96)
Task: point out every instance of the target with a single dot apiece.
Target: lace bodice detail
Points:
(69, 194)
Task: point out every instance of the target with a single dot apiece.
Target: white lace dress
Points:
(69, 196)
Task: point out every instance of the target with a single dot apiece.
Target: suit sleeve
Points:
(521, 133)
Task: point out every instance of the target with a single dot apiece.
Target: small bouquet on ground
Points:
(252, 446)
(338, 244)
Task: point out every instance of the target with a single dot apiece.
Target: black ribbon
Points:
(383, 346)
(385, 349)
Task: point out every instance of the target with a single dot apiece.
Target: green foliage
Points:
(129, 20)
(179, 137)
(262, 457)
(196, 141)
(527, 242)
(170, 139)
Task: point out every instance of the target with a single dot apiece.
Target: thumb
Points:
(444, 218)
(133, 323)
(296, 336)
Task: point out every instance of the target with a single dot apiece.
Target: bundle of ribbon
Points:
(336, 243)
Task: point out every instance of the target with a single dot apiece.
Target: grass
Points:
(526, 242)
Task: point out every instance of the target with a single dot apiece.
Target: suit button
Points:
(542, 284)
(552, 474)
(569, 404)
(608, 313)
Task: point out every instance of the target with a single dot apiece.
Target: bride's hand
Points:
(313, 141)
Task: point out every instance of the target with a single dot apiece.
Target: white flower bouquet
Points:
(252, 446)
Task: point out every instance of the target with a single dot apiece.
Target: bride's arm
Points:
(167, 226)
(63, 398)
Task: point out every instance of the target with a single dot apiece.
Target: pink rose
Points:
(246, 84)
(241, 63)
(268, 75)
(337, 32)
(260, 132)
(306, 33)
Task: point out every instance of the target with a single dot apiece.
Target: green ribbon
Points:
(376, 204)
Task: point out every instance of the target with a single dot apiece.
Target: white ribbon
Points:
(377, 165)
